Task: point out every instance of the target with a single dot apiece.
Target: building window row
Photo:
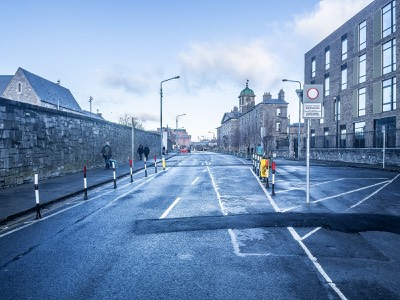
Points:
(389, 19)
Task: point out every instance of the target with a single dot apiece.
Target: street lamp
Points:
(161, 94)
(177, 119)
(212, 134)
(298, 133)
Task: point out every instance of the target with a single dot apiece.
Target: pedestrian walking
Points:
(140, 151)
(146, 152)
(107, 154)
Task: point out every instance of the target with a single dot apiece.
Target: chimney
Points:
(267, 96)
(281, 95)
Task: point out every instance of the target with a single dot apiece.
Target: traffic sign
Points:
(313, 93)
(312, 110)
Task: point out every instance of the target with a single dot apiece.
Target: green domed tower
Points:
(246, 99)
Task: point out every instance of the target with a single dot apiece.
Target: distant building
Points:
(33, 89)
(253, 125)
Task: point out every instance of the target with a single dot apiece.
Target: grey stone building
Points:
(29, 88)
(357, 65)
(256, 127)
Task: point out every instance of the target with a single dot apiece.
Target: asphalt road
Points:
(207, 228)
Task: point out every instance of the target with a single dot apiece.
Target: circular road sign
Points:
(312, 93)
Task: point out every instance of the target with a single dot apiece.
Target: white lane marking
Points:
(296, 236)
(291, 208)
(223, 210)
(205, 170)
(75, 205)
(235, 243)
(273, 203)
(310, 233)
(349, 192)
(170, 208)
(194, 181)
(316, 264)
(374, 193)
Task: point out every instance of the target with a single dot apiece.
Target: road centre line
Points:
(223, 210)
(194, 181)
(170, 208)
(374, 193)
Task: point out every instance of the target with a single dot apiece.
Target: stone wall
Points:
(361, 156)
(51, 143)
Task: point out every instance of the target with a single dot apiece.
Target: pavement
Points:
(19, 200)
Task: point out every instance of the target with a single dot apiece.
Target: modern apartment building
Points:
(357, 65)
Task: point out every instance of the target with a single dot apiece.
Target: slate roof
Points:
(51, 92)
(228, 116)
(275, 101)
(4, 81)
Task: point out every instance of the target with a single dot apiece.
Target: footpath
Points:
(19, 200)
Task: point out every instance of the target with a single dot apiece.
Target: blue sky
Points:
(119, 51)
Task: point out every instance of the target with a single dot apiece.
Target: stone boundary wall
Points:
(369, 156)
(51, 143)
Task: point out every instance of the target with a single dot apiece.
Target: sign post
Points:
(312, 109)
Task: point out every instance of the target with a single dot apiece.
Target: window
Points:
(278, 112)
(362, 68)
(337, 108)
(326, 137)
(361, 102)
(359, 138)
(312, 139)
(327, 58)
(343, 136)
(344, 78)
(362, 34)
(326, 85)
(344, 47)
(389, 56)
(19, 87)
(389, 126)
(313, 66)
(321, 121)
(278, 127)
(389, 94)
(389, 19)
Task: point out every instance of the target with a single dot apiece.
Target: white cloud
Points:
(327, 17)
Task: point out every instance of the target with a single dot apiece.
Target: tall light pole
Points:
(90, 101)
(177, 120)
(298, 133)
(161, 94)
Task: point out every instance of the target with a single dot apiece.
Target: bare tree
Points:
(127, 120)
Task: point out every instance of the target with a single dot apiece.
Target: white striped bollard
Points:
(115, 178)
(130, 164)
(85, 197)
(38, 215)
(145, 167)
(155, 164)
(273, 178)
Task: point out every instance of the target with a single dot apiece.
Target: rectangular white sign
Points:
(312, 110)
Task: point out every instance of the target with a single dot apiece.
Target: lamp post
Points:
(298, 133)
(177, 119)
(176, 129)
(161, 94)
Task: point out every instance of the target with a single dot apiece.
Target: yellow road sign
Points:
(264, 168)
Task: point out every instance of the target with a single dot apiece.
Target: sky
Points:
(119, 51)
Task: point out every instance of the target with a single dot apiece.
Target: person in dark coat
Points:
(146, 152)
(107, 154)
(140, 151)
